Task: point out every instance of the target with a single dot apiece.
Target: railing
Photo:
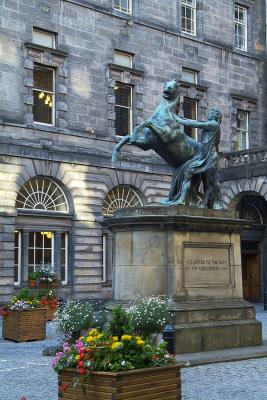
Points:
(243, 157)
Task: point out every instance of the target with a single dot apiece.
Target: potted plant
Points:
(74, 316)
(121, 368)
(33, 278)
(49, 300)
(47, 275)
(23, 320)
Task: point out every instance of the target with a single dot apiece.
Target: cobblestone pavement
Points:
(25, 372)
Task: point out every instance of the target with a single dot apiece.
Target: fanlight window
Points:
(42, 194)
(120, 197)
(250, 212)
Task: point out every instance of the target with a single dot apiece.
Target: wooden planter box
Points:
(50, 311)
(25, 325)
(160, 383)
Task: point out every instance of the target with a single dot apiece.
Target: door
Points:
(251, 277)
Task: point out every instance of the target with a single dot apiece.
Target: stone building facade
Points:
(56, 176)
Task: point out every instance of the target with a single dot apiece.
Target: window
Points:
(17, 258)
(123, 59)
(123, 109)
(64, 258)
(240, 27)
(190, 112)
(43, 38)
(188, 16)
(120, 197)
(123, 6)
(44, 95)
(189, 76)
(40, 249)
(242, 130)
(42, 194)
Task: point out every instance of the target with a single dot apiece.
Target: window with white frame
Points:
(190, 112)
(123, 6)
(240, 27)
(40, 250)
(17, 258)
(188, 16)
(189, 75)
(242, 130)
(64, 258)
(123, 109)
(44, 95)
(121, 196)
(123, 59)
(43, 38)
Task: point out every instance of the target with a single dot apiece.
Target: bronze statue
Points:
(193, 161)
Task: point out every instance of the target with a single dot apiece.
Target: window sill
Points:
(57, 52)
(195, 85)
(121, 68)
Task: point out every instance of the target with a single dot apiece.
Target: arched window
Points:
(250, 212)
(43, 229)
(42, 194)
(121, 196)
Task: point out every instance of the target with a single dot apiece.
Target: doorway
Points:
(251, 276)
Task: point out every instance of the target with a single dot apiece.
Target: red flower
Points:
(82, 371)
(62, 388)
(80, 364)
(3, 312)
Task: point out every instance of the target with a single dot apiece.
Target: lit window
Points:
(44, 95)
(40, 249)
(123, 109)
(120, 197)
(17, 258)
(123, 59)
(43, 38)
(242, 130)
(189, 76)
(64, 258)
(188, 16)
(123, 6)
(240, 27)
(190, 112)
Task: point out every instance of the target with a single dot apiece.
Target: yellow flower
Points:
(115, 338)
(126, 337)
(116, 345)
(93, 332)
(140, 342)
(89, 339)
(77, 358)
(81, 338)
(99, 336)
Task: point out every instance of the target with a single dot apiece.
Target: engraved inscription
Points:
(206, 265)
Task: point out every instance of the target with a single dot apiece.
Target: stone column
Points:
(109, 256)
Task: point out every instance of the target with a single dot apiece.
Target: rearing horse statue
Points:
(161, 132)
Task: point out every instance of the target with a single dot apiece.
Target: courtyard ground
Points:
(25, 372)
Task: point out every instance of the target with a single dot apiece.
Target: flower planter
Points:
(159, 383)
(24, 325)
(50, 311)
(32, 283)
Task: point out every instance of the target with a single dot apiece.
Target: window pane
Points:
(31, 239)
(16, 273)
(31, 256)
(123, 95)
(48, 240)
(47, 256)
(189, 76)
(122, 122)
(38, 239)
(190, 107)
(43, 78)
(42, 107)
(38, 256)
(43, 38)
(123, 59)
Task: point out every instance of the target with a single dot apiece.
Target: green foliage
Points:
(34, 275)
(149, 315)
(26, 294)
(45, 293)
(120, 323)
(73, 316)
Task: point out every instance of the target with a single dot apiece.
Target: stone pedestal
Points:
(193, 256)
